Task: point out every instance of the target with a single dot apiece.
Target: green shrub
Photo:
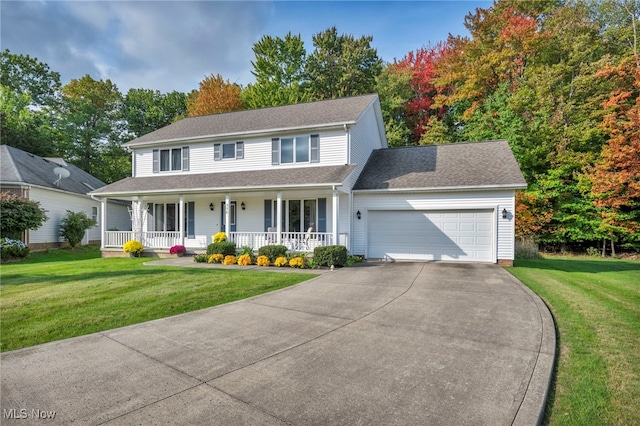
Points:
(223, 247)
(200, 258)
(18, 215)
(13, 249)
(74, 225)
(273, 251)
(330, 255)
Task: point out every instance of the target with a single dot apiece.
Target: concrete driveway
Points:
(389, 343)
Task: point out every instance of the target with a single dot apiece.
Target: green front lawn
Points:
(596, 307)
(63, 293)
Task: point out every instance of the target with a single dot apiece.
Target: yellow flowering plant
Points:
(280, 261)
(244, 260)
(215, 258)
(297, 262)
(133, 247)
(263, 261)
(229, 260)
(219, 237)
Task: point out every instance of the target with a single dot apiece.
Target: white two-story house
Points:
(312, 174)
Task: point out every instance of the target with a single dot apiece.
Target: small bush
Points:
(263, 261)
(220, 237)
(526, 249)
(133, 247)
(229, 260)
(74, 225)
(248, 250)
(245, 260)
(297, 262)
(215, 258)
(592, 251)
(330, 255)
(272, 251)
(13, 249)
(352, 260)
(280, 261)
(222, 247)
(200, 258)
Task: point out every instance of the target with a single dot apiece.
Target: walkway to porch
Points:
(295, 241)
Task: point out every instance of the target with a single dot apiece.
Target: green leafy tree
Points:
(18, 215)
(91, 122)
(341, 65)
(74, 225)
(279, 71)
(28, 93)
(26, 128)
(24, 74)
(394, 88)
(146, 110)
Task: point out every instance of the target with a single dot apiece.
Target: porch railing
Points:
(295, 241)
(150, 239)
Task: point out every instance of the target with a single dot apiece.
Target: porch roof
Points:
(280, 178)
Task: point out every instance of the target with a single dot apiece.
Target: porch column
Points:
(103, 221)
(336, 214)
(227, 215)
(181, 219)
(279, 217)
(136, 220)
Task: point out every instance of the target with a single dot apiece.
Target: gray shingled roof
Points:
(479, 164)
(272, 178)
(17, 166)
(305, 115)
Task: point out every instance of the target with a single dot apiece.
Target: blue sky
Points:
(172, 45)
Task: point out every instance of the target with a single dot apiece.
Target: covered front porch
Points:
(300, 220)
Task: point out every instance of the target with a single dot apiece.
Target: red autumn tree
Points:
(421, 65)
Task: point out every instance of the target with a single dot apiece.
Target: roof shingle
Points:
(311, 114)
(18, 166)
(479, 164)
(272, 178)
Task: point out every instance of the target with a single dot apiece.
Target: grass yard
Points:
(59, 294)
(596, 307)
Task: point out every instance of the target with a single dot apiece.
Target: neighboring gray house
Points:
(318, 173)
(58, 186)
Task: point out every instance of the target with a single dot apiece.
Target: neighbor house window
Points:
(172, 159)
(94, 214)
(228, 151)
(298, 149)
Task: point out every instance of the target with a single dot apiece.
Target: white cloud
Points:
(164, 45)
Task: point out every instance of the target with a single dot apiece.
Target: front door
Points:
(232, 213)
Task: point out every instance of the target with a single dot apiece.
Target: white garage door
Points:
(464, 235)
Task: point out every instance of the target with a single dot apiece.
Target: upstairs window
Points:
(165, 160)
(298, 149)
(228, 151)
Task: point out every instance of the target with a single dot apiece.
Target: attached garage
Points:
(451, 202)
(452, 235)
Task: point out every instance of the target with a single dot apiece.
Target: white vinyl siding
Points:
(56, 204)
(365, 137)
(255, 152)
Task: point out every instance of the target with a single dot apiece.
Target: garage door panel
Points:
(431, 235)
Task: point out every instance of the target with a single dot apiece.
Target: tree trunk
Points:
(613, 249)
(604, 248)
